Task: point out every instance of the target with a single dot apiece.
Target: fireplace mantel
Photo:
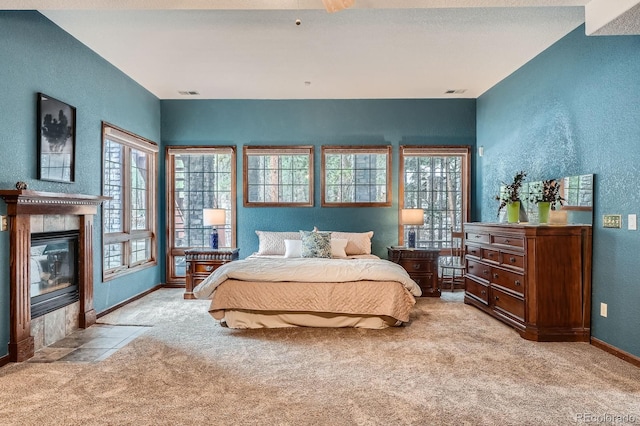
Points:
(21, 204)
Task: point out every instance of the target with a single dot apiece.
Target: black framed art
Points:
(56, 139)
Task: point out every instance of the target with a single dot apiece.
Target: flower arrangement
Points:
(511, 191)
(549, 193)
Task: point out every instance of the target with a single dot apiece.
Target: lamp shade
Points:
(213, 217)
(411, 217)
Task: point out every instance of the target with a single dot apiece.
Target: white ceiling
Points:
(228, 49)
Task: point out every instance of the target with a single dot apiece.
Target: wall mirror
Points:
(577, 192)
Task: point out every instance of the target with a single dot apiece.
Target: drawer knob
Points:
(507, 241)
(495, 276)
(483, 292)
(477, 236)
(485, 272)
(208, 268)
(497, 298)
(470, 267)
(490, 254)
(512, 259)
(416, 266)
(517, 283)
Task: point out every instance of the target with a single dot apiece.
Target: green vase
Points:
(513, 212)
(544, 207)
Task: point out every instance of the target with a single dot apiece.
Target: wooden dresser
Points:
(201, 262)
(535, 278)
(421, 265)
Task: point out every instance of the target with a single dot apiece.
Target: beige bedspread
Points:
(383, 298)
(309, 270)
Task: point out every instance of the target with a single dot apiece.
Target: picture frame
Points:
(56, 133)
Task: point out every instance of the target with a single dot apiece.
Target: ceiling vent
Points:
(188, 92)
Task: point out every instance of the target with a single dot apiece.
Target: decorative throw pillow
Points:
(357, 242)
(270, 242)
(316, 244)
(337, 247)
(293, 248)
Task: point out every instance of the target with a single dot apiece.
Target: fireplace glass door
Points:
(53, 271)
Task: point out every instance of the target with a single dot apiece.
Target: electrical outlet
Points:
(612, 221)
(603, 310)
(4, 225)
(632, 222)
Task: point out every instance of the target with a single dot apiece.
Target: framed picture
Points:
(56, 139)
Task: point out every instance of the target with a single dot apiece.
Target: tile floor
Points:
(92, 344)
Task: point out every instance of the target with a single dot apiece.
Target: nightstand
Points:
(201, 262)
(421, 264)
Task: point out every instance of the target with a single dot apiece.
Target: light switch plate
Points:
(632, 222)
(4, 225)
(612, 221)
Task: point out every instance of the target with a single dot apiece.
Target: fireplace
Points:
(53, 271)
(24, 207)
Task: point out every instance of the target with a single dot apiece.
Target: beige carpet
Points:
(451, 365)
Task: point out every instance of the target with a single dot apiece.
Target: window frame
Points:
(131, 141)
(249, 150)
(171, 250)
(357, 150)
(436, 151)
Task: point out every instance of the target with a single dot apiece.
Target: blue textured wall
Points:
(37, 56)
(318, 122)
(574, 110)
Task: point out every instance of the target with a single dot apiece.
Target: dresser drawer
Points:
(513, 260)
(478, 290)
(507, 304)
(207, 268)
(479, 270)
(508, 241)
(491, 255)
(510, 280)
(476, 237)
(474, 251)
(424, 281)
(416, 265)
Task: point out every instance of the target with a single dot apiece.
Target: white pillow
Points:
(292, 248)
(338, 246)
(273, 242)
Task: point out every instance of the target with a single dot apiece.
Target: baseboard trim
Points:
(626, 356)
(131, 299)
(4, 360)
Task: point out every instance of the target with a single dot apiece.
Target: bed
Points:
(279, 287)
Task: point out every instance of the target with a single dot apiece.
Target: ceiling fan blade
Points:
(337, 5)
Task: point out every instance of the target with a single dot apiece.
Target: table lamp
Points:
(412, 217)
(214, 218)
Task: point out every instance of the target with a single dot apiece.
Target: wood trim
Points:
(21, 343)
(625, 356)
(87, 313)
(274, 150)
(129, 300)
(409, 150)
(4, 360)
(346, 149)
(170, 250)
(130, 141)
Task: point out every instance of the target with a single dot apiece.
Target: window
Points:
(278, 176)
(197, 178)
(128, 218)
(356, 176)
(437, 180)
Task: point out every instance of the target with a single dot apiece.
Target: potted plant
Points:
(510, 197)
(546, 198)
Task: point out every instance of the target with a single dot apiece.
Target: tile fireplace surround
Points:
(25, 208)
